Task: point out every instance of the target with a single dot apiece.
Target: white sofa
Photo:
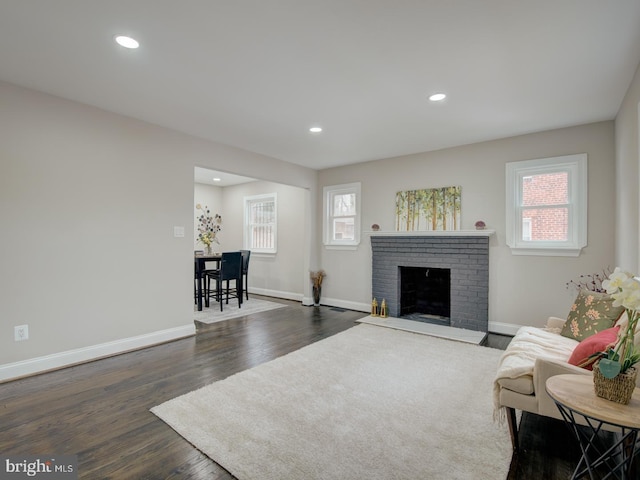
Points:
(534, 355)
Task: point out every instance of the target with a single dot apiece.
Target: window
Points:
(342, 215)
(526, 229)
(260, 221)
(547, 206)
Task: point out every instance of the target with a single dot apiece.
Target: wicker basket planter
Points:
(618, 389)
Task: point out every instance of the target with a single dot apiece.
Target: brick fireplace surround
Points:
(467, 256)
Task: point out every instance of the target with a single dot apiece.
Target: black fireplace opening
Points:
(425, 294)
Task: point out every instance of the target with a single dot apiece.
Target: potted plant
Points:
(316, 281)
(614, 373)
(208, 227)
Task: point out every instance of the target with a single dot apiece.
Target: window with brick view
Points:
(546, 206)
(549, 194)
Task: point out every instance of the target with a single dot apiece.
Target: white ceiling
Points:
(206, 176)
(257, 74)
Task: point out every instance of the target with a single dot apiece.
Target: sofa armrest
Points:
(546, 368)
(555, 323)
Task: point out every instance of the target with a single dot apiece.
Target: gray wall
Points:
(88, 202)
(523, 290)
(628, 179)
(282, 274)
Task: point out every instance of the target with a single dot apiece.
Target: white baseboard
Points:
(276, 293)
(334, 302)
(307, 301)
(11, 371)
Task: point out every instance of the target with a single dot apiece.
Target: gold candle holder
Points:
(374, 308)
(383, 308)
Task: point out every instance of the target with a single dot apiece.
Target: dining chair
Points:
(246, 255)
(230, 269)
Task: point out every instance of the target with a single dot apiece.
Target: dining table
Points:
(200, 265)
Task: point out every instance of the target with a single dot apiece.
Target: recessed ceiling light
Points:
(127, 42)
(315, 129)
(216, 179)
(437, 97)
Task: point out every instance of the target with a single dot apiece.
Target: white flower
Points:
(615, 280)
(208, 226)
(628, 295)
(624, 288)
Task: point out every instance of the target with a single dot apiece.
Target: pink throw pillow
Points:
(590, 345)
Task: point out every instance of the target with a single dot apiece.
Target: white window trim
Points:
(327, 193)
(576, 165)
(246, 234)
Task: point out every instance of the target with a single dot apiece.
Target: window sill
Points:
(547, 252)
(341, 247)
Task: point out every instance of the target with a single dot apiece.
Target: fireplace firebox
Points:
(425, 294)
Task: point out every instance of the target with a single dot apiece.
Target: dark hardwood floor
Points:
(100, 410)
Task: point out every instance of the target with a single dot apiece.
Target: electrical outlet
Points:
(21, 332)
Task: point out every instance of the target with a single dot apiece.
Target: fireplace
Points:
(425, 294)
(458, 265)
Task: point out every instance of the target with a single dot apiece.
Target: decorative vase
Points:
(207, 249)
(316, 295)
(618, 389)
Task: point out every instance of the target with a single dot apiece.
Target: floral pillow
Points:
(591, 313)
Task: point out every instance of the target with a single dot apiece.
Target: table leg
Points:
(624, 449)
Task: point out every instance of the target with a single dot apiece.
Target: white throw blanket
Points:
(520, 357)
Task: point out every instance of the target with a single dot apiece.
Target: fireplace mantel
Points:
(433, 233)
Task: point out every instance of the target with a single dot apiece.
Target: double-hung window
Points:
(547, 206)
(342, 215)
(260, 223)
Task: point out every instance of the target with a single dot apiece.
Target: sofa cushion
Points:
(516, 365)
(594, 343)
(591, 313)
(523, 384)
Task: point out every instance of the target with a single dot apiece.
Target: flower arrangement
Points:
(208, 226)
(316, 278)
(625, 289)
(591, 282)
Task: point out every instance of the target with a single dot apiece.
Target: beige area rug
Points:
(213, 313)
(367, 403)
